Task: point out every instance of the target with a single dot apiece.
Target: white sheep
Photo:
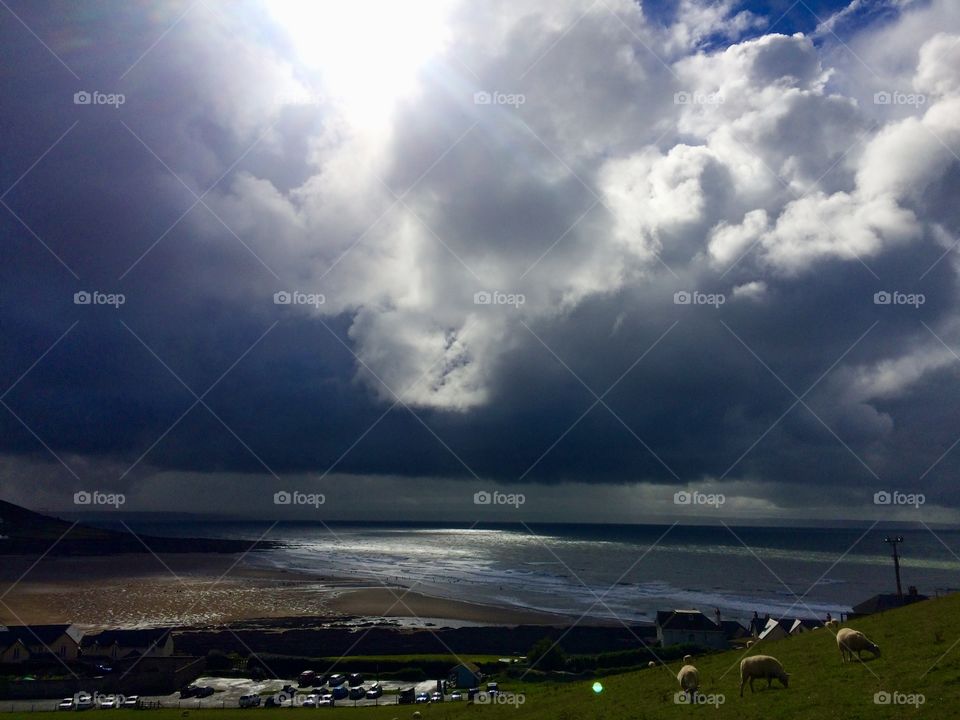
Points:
(832, 624)
(689, 679)
(853, 641)
(651, 664)
(687, 658)
(761, 666)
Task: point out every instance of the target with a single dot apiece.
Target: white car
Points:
(83, 701)
(66, 704)
(110, 702)
(311, 700)
(131, 701)
(325, 701)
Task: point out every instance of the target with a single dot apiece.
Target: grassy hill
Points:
(914, 641)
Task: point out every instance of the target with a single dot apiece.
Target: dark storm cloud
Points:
(625, 192)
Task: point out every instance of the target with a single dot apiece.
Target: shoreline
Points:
(205, 590)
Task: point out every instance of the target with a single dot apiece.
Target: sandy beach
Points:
(211, 589)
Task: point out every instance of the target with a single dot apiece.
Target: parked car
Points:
(65, 704)
(436, 697)
(276, 700)
(405, 696)
(131, 701)
(205, 691)
(83, 701)
(336, 680)
(110, 702)
(423, 698)
(456, 696)
(492, 688)
(374, 691)
(325, 701)
(355, 679)
(340, 692)
(358, 692)
(307, 678)
(311, 700)
(189, 691)
(249, 701)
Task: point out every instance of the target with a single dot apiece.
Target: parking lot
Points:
(228, 691)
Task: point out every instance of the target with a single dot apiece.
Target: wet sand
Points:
(210, 589)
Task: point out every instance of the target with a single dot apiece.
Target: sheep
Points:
(761, 666)
(651, 664)
(832, 624)
(689, 679)
(749, 643)
(687, 659)
(853, 641)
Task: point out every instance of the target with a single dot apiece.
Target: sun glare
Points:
(367, 52)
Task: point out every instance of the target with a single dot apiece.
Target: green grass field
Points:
(913, 640)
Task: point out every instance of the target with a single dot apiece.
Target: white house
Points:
(689, 627)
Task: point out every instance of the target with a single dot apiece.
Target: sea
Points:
(616, 572)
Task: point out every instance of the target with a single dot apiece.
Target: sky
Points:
(557, 261)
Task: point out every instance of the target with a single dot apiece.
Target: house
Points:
(19, 643)
(465, 675)
(886, 601)
(802, 625)
(733, 630)
(689, 627)
(121, 644)
(776, 629)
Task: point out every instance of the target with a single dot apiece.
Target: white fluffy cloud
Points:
(764, 162)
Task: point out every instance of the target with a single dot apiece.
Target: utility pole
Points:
(896, 561)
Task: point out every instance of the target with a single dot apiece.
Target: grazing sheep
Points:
(833, 625)
(416, 715)
(749, 643)
(689, 680)
(651, 664)
(687, 658)
(761, 666)
(853, 641)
